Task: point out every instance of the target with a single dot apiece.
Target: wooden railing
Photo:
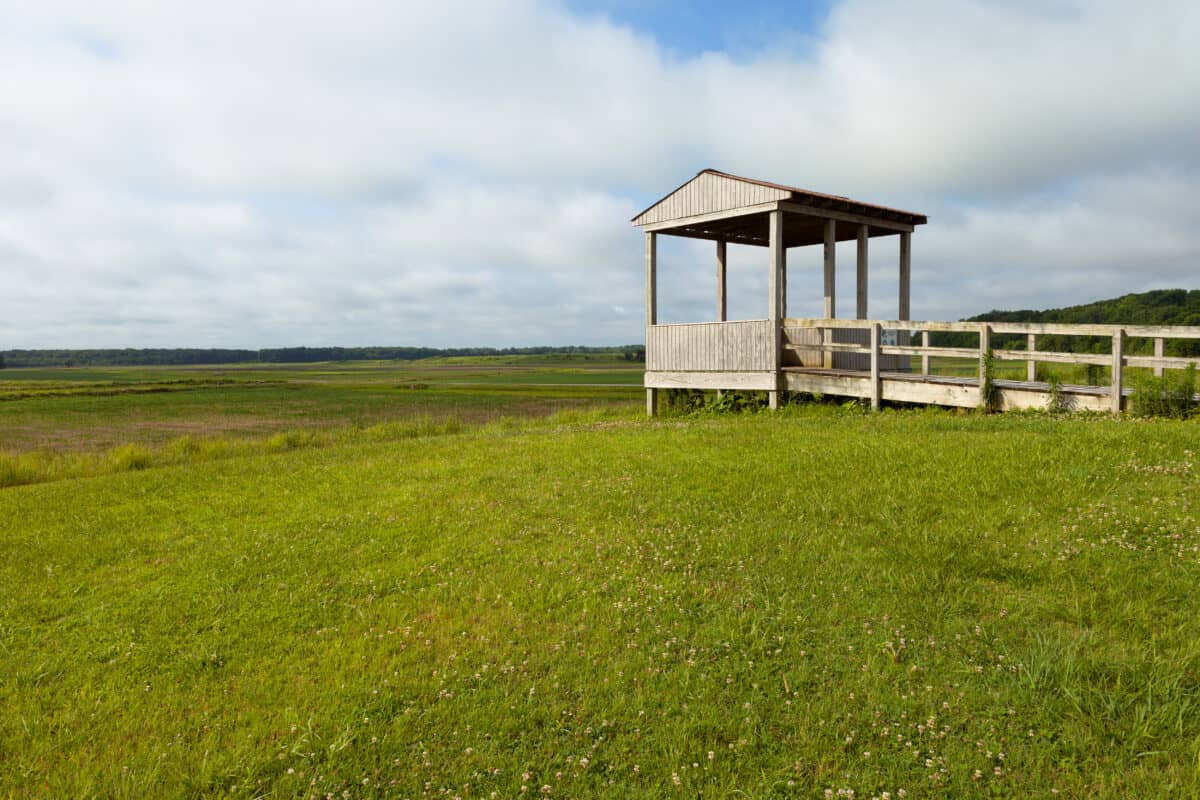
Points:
(743, 346)
(796, 337)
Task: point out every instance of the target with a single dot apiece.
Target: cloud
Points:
(258, 173)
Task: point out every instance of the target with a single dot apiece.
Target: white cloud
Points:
(261, 173)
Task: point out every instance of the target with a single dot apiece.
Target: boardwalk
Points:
(848, 358)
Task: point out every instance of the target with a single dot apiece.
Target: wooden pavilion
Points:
(727, 208)
(864, 358)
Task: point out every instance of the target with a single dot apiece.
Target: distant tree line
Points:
(1160, 307)
(283, 355)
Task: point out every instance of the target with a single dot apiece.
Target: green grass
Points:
(756, 606)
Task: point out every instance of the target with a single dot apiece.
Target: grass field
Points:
(813, 603)
(95, 409)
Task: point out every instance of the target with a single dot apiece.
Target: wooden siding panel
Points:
(707, 193)
(710, 347)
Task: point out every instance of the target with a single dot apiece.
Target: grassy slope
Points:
(777, 604)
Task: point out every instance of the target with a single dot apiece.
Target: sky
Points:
(255, 173)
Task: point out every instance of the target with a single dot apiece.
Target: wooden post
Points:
(1118, 369)
(862, 272)
(775, 310)
(904, 338)
(783, 287)
(876, 336)
(1031, 365)
(651, 309)
(924, 356)
(985, 344)
(830, 284)
(722, 296)
(651, 278)
(722, 305)
(1158, 353)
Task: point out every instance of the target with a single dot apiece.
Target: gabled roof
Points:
(712, 191)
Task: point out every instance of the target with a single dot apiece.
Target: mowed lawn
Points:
(802, 604)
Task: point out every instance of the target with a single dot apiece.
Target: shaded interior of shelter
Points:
(799, 230)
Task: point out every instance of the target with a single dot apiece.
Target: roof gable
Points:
(710, 191)
(714, 192)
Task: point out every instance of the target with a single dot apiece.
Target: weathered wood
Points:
(920, 325)
(1167, 362)
(1021, 398)
(651, 311)
(783, 271)
(1071, 329)
(833, 347)
(861, 286)
(1118, 369)
(835, 383)
(1051, 357)
(722, 297)
(844, 216)
(651, 279)
(830, 309)
(1158, 353)
(985, 344)
(710, 346)
(941, 390)
(851, 360)
(774, 311)
(830, 253)
(673, 379)
(876, 336)
(778, 255)
(802, 347)
(850, 348)
(739, 355)
(695, 220)
(1030, 364)
(905, 275)
(708, 193)
(923, 350)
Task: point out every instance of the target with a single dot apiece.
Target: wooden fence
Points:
(875, 351)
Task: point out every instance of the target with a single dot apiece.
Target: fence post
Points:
(985, 344)
(925, 356)
(1118, 363)
(875, 338)
(1158, 353)
(1031, 365)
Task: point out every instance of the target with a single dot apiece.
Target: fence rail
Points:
(1116, 359)
(769, 354)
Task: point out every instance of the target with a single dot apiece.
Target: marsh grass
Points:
(18, 469)
(74, 410)
(37, 467)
